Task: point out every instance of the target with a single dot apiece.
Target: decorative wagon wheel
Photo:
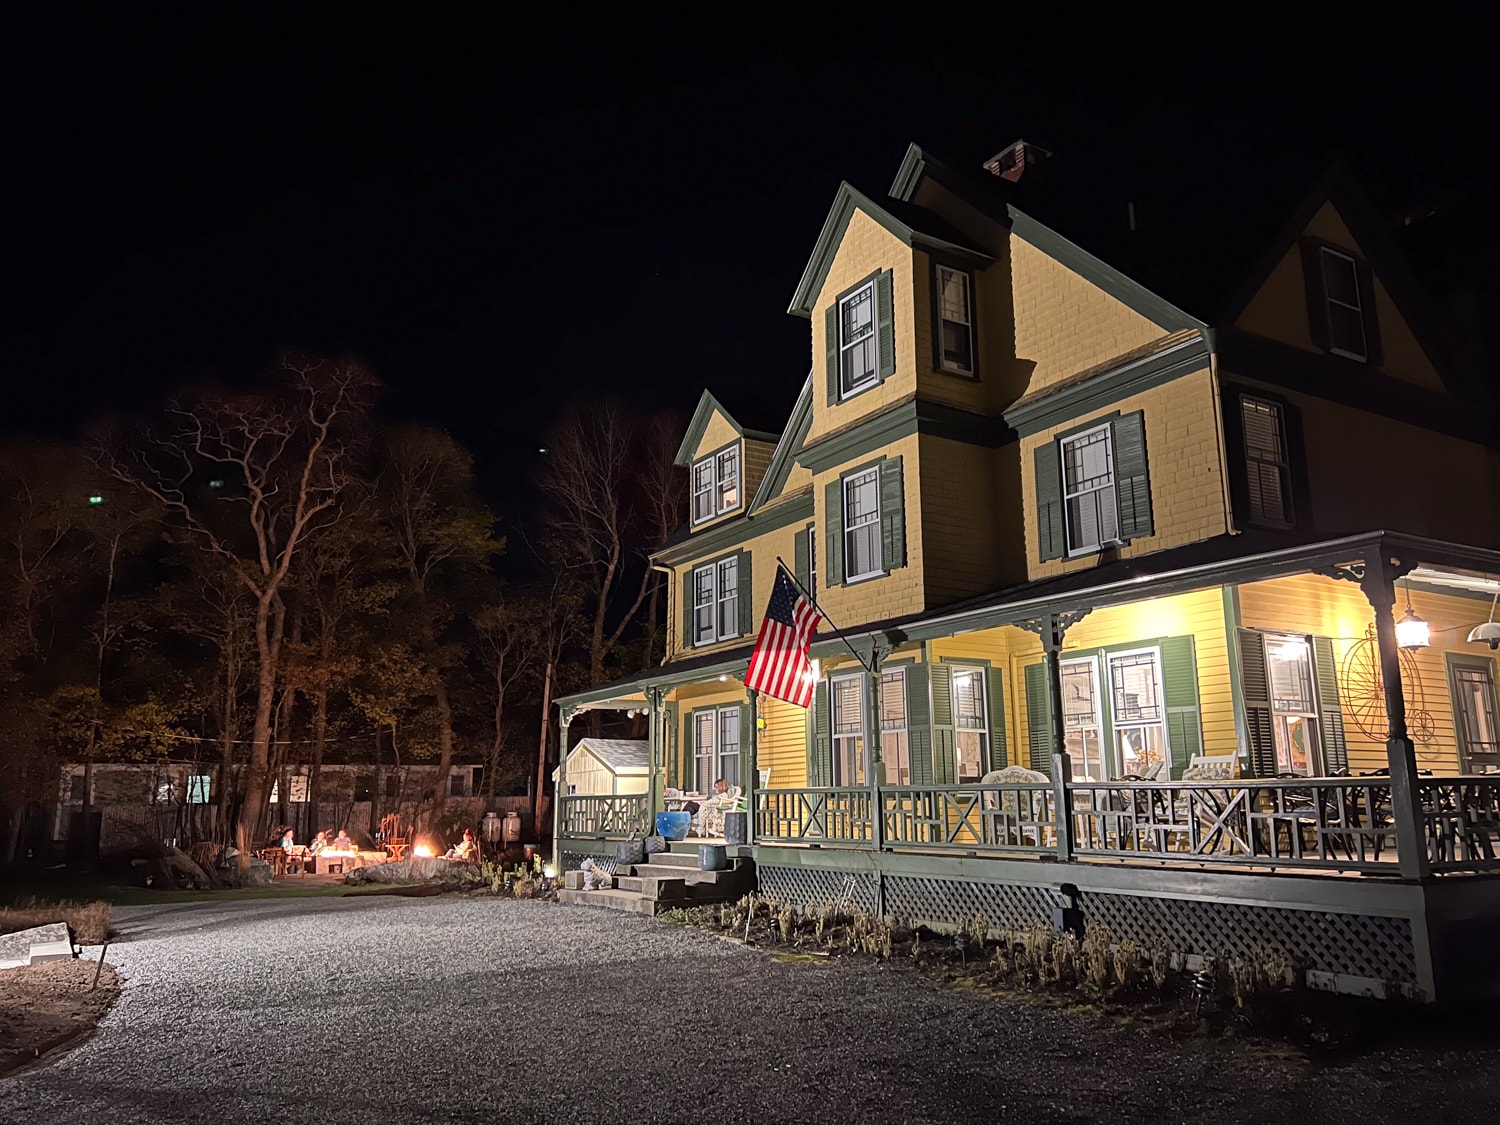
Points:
(1364, 691)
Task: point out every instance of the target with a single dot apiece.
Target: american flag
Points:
(779, 666)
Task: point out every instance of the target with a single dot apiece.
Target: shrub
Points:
(1097, 960)
(1130, 965)
(89, 921)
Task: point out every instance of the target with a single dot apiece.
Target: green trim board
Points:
(1347, 382)
(1034, 414)
(845, 202)
(787, 448)
(736, 532)
(903, 419)
(707, 407)
(1231, 597)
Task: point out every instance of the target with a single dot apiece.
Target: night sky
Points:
(495, 220)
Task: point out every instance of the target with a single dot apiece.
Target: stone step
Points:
(648, 886)
(690, 875)
(627, 901)
(675, 859)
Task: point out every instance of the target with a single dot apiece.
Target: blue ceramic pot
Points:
(673, 825)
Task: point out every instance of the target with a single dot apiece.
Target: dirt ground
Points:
(50, 1006)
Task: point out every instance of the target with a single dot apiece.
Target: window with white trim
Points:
(1138, 711)
(1346, 314)
(847, 711)
(955, 321)
(859, 361)
(812, 561)
(1267, 467)
(862, 525)
(1088, 469)
(716, 484)
(716, 747)
(1083, 725)
(1294, 707)
(895, 741)
(971, 721)
(716, 601)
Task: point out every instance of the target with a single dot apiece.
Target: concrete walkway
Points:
(384, 1009)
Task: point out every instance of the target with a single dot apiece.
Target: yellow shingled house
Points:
(1162, 571)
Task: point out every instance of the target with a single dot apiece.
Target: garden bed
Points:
(50, 1007)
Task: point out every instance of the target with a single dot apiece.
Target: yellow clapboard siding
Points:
(783, 743)
(1326, 607)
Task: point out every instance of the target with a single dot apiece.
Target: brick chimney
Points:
(1016, 160)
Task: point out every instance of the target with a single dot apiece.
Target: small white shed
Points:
(599, 767)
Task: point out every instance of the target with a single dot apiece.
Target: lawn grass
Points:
(119, 893)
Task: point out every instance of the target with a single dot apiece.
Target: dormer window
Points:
(716, 484)
(955, 321)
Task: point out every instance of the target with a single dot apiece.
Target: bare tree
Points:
(437, 522)
(253, 477)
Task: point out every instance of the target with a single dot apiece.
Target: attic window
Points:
(857, 344)
(716, 484)
(1346, 316)
(955, 328)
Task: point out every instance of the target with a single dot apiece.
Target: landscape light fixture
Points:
(216, 483)
(96, 499)
(1411, 630)
(1489, 632)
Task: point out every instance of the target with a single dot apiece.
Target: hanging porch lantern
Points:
(1412, 631)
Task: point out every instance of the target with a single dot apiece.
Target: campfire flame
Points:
(422, 851)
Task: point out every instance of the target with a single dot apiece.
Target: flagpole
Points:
(790, 573)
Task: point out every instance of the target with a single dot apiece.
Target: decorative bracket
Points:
(1344, 572)
(1053, 627)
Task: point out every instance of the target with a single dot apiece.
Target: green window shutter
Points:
(1317, 300)
(746, 594)
(670, 744)
(999, 759)
(892, 514)
(833, 518)
(1051, 533)
(800, 555)
(831, 338)
(687, 608)
(747, 740)
(820, 756)
(885, 324)
(1255, 697)
(1330, 711)
(1132, 482)
(944, 749)
(1039, 718)
(918, 724)
(1179, 673)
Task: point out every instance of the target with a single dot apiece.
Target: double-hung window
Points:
(971, 722)
(1083, 726)
(1089, 490)
(716, 601)
(859, 362)
(716, 747)
(1294, 707)
(1267, 467)
(716, 484)
(895, 743)
(1346, 313)
(956, 321)
(862, 557)
(847, 705)
(1138, 711)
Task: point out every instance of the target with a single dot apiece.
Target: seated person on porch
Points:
(465, 848)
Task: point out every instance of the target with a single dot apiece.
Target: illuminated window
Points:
(1088, 468)
(971, 722)
(1138, 712)
(847, 696)
(858, 353)
(1083, 726)
(1294, 708)
(862, 558)
(716, 484)
(956, 321)
(895, 743)
(716, 747)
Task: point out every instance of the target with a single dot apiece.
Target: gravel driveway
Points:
(390, 1010)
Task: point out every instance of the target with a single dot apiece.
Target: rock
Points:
(417, 869)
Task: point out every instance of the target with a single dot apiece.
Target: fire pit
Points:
(329, 862)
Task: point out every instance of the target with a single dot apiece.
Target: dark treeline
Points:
(272, 579)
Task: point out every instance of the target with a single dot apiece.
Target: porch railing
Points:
(813, 816)
(971, 818)
(606, 818)
(1326, 822)
(1343, 824)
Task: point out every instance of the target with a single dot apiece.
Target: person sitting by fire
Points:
(320, 841)
(464, 850)
(341, 842)
(288, 842)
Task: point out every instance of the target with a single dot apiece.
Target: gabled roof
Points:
(618, 753)
(913, 225)
(787, 449)
(708, 406)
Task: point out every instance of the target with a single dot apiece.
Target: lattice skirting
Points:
(1355, 945)
(573, 855)
(809, 886)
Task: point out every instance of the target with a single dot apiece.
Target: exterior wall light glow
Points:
(1412, 631)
